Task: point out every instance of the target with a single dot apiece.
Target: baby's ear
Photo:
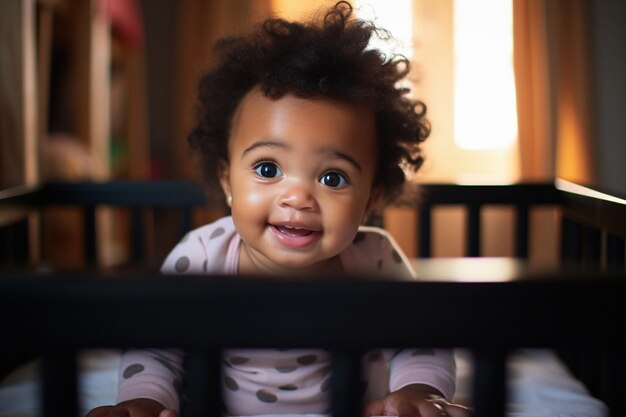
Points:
(374, 203)
(224, 174)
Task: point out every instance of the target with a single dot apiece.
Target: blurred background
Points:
(516, 90)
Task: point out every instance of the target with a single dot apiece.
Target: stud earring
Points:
(229, 200)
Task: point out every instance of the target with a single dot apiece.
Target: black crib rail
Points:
(474, 197)
(136, 196)
(61, 315)
(593, 232)
(592, 236)
(593, 225)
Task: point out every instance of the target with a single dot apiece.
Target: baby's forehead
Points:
(256, 107)
(311, 123)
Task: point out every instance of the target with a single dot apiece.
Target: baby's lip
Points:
(295, 235)
(293, 227)
(293, 231)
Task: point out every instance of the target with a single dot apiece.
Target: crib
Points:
(575, 310)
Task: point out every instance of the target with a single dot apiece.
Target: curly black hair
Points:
(327, 58)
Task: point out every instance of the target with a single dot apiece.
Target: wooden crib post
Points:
(347, 392)
(592, 248)
(613, 389)
(615, 253)
(424, 231)
(473, 240)
(489, 384)
(202, 389)
(522, 230)
(90, 236)
(59, 388)
(571, 235)
(137, 233)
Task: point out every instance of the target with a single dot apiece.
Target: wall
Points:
(609, 22)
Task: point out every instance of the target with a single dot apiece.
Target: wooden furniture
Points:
(576, 309)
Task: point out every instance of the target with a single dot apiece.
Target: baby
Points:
(308, 134)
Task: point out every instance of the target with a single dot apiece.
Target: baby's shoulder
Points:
(219, 229)
(373, 235)
(201, 249)
(375, 249)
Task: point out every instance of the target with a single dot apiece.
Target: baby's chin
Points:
(298, 268)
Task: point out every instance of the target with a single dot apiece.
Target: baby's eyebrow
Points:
(265, 143)
(341, 155)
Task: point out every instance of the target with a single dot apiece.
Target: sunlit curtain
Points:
(554, 89)
(201, 24)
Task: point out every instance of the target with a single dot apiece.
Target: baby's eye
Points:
(334, 179)
(268, 170)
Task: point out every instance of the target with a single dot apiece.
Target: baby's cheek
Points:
(252, 203)
(345, 229)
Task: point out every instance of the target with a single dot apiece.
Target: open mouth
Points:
(294, 237)
(294, 231)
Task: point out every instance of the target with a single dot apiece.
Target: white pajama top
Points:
(291, 381)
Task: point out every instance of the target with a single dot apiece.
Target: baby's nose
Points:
(298, 196)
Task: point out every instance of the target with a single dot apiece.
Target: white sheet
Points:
(539, 386)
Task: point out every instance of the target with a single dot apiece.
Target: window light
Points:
(485, 115)
(396, 17)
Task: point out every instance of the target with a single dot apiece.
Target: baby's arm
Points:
(151, 373)
(421, 383)
(149, 379)
(149, 385)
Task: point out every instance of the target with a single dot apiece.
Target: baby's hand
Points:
(141, 407)
(415, 400)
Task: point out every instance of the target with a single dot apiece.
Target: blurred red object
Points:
(126, 20)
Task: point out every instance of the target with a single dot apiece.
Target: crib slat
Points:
(424, 231)
(521, 231)
(570, 241)
(137, 233)
(90, 234)
(613, 389)
(202, 392)
(14, 243)
(592, 245)
(588, 368)
(59, 386)
(615, 251)
(473, 230)
(347, 392)
(489, 385)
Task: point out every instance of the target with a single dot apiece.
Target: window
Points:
(485, 114)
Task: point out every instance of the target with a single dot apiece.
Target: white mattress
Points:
(539, 386)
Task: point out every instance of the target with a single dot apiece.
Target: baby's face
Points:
(300, 174)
